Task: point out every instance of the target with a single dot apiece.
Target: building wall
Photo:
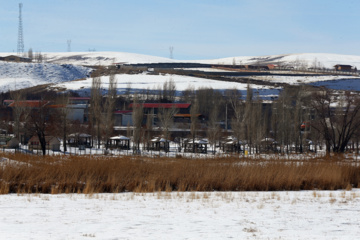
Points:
(126, 120)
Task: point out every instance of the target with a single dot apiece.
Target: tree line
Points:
(299, 117)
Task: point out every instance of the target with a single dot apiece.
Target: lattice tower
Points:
(20, 45)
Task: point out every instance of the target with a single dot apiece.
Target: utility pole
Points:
(171, 49)
(69, 45)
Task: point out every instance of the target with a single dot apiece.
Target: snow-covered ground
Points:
(326, 60)
(294, 80)
(144, 82)
(98, 58)
(24, 75)
(179, 215)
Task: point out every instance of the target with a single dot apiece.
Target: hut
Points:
(231, 144)
(159, 143)
(80, 139)
(119, 142)
(197, 146)
(268, 145)
(9, 142)
(52, 143)
(344, 68)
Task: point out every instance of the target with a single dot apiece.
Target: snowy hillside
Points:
(98, 58)
(326, 60)
(24, 75)
(151, 83)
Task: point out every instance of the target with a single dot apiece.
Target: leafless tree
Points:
(96, 108)
(41, 123)
(17, 110)
(336, 119)
(214, 130)
(166, 117)
(63, 112)
(234, 98)
(149, 126)
(109, 109)
(188, 95)
(194, 111)
(137, 121)
(169, 91)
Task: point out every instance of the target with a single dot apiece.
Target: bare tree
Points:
(189, 94)
(17, 109)
(63, 117)
(40, 123)
(137, 121)
(96, 108)
(168, 91)
(149, 126)
(109, 109)
(166, 117)
(234, 98)
(194, 111)
(214, 130)
(336, 119)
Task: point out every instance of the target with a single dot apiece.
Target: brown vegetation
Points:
(85, 174)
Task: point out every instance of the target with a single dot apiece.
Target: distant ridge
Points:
(327, 60)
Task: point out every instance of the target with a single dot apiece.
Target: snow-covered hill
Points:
(68, 66)
(98, 58)
(144, 83)
(326, 60)
(24, 75)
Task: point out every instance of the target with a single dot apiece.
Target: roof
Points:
(56, 106)
(163, 105)
(47, 139)
(123, 111)
(29, 103)
(186, 115)
(79, 98)
(80, 135)
(120, 137)
(342, 65)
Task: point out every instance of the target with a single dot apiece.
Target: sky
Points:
(195, 29)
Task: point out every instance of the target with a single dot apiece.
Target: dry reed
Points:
(85, 174)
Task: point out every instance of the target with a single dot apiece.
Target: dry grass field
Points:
(85, 174)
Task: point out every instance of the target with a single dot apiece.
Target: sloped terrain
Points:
(24, 75)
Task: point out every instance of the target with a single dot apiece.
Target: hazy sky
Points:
(197, 29)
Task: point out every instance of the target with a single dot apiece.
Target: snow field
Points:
(23, 75)
(182, 215)
(144, 82)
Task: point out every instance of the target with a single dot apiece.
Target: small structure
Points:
(269, 145)
(344, 68)
(123, 118)
(80, 139)
(159, 144)
(52, 143)
(231, 144)
(9, 142)
(119, 142)
(155, 108)
(197, 146)
(14, 58)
